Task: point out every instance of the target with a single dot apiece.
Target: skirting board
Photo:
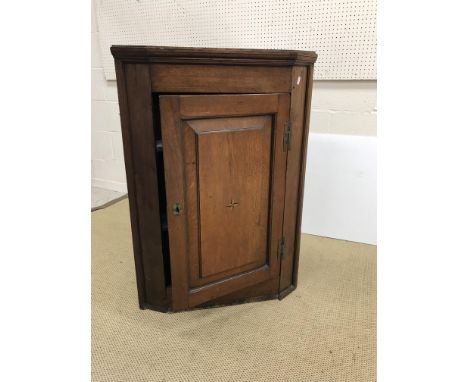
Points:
(109, 185)
(340, 195)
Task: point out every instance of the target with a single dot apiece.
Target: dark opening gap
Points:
(158, 149)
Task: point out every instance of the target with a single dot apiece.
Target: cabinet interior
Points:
(161, 189)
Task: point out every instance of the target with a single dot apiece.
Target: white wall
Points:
(108, 170)
(340, 187)
(344, 107)
(340, 194)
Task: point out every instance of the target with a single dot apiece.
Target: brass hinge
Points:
(281, 249)
(287, 136)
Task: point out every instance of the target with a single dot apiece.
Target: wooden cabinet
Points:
(215, 145)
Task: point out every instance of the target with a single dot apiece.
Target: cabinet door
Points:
(225, 168)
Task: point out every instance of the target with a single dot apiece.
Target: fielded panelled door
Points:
(225, 174)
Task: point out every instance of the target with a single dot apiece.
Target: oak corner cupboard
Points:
(215, 147)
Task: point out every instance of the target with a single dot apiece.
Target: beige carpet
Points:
(324, 331)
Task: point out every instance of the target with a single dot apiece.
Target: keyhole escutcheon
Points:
(177, 209)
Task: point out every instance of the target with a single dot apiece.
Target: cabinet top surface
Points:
(155, 53)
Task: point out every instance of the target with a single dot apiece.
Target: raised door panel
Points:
(231, 168)
(227, 174)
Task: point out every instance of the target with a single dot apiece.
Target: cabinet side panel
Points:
(305, 139)
(298, 94)
(140, 162)
(124, 121)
